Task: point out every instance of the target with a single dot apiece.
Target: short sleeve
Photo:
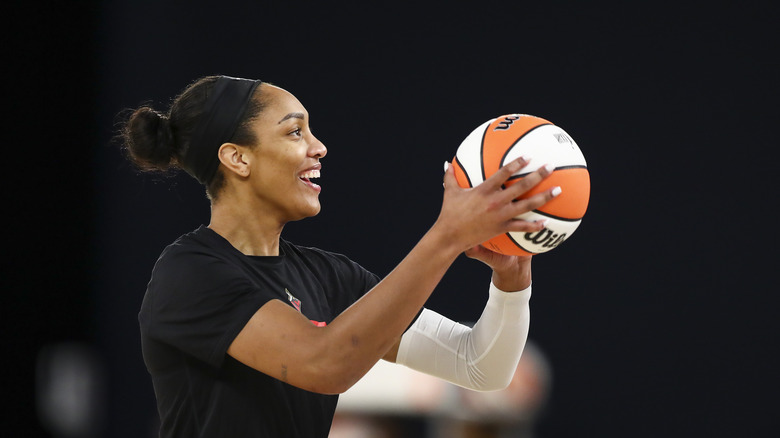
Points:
(197, 303)
(347, 280)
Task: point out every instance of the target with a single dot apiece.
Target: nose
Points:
(317, 149)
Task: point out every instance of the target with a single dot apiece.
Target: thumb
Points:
(480, 253)
(449, 175)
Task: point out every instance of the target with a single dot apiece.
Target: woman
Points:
(246, 334)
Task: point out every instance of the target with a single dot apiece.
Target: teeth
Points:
(311, 174)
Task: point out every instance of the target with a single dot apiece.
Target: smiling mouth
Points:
(307, 176)
(310, 174)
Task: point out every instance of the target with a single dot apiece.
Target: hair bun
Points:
(149, 140)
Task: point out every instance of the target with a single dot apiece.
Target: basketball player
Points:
(248, 335)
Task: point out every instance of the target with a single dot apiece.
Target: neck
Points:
(247, 231)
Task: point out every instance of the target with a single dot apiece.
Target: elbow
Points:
(330, 384)
(328, 381)
(489, 387)
(496, 385)
(327, 388)
(332, 377)
(488, 382)
(337, 388)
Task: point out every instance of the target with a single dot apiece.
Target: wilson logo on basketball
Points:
(506, 123)
(546, 238)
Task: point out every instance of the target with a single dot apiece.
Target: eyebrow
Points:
(292, 116)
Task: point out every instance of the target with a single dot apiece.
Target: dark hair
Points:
(158, 142)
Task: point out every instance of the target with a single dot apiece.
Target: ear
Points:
(235, 159)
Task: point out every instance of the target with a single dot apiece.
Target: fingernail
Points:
(543, 222)
(556, 191)
(446, 166)
(549, 168)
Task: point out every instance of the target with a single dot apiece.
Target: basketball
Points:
(503, 139)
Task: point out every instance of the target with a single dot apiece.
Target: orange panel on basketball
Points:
(573, 200)
(504, 245)
(498, 139)
(460, 174)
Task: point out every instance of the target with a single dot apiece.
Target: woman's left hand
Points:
(510, 273)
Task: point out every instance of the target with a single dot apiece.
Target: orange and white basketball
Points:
(503, 139)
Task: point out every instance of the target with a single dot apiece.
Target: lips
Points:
(308, 174)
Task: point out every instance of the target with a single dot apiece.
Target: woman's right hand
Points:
(474, 215)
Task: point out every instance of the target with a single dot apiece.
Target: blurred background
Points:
(657, 318)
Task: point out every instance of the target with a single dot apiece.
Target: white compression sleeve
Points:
(482, 358)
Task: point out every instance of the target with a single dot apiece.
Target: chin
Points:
(310, 211)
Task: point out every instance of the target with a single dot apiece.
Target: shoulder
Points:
(194, 260)
(200, 244)
(331, 266)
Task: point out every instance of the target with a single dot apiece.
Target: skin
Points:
(264, 191)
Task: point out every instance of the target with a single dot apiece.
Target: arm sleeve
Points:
(482, 358)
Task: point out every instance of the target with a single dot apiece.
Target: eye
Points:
(296, 132)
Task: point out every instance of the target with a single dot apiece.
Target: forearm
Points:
(484, 357)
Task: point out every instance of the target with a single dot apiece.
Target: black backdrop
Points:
(658, 316)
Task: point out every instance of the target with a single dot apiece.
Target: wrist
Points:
(515, 279)
(446, 239)
(499, 295)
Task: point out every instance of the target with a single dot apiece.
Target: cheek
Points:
(278, 169)
(281, 159)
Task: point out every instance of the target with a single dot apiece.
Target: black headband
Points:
(224, 111)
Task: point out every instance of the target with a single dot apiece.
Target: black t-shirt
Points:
(202, 292)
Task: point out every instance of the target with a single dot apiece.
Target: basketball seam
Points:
(463, 168)
(519, 245)
(523, 175)
(552, 216)
(482, 150)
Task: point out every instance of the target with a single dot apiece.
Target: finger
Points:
(529, 181)
(504, 173)
(449, 176)
(534, 202)
(477, 251)
(480, 253)
(520, 225)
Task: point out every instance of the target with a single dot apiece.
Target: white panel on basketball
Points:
(547, 239)
(546, 144)
(470, 154)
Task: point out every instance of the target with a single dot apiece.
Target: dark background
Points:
(659, 316)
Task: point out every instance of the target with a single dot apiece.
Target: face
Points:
(286, 159)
